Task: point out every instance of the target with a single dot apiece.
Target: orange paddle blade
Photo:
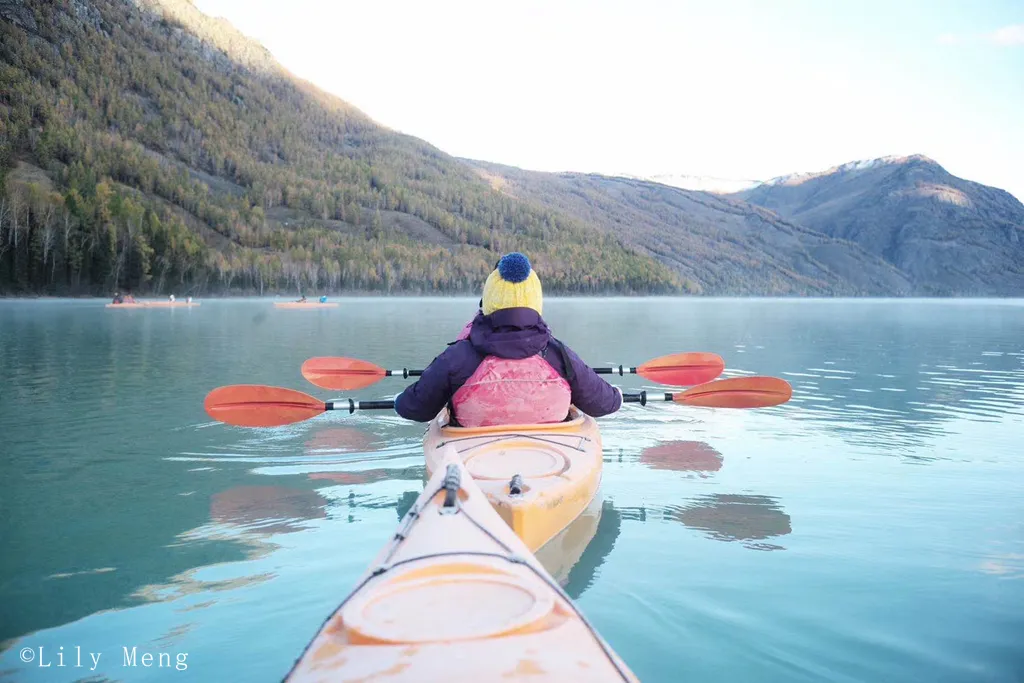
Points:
(255, 405)
(683, 369)
(342, 374)
(737, 392)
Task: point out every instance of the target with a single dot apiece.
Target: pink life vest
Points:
(503, 391)
(465, 331)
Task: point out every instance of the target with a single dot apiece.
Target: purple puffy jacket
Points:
(509, 333)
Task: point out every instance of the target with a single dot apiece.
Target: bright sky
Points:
(737, 89)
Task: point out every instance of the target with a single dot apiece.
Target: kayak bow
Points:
(456, 596)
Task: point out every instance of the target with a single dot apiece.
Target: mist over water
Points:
(872, 529)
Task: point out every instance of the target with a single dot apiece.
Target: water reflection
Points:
(353, 478)
(370, 476)
(562, 553)
(250, 517)
(1010, 566)
(900, 405)
(735, 517)
(682, 456)
(897, 376)
(192, 582)
(405, 503)
(267, 509)
(748, 519)
(582, 574)
(330, 440)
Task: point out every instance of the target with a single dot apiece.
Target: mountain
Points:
(720, 245)
(950, 236)
(146, 146)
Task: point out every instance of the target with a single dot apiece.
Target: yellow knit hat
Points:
(513, 284)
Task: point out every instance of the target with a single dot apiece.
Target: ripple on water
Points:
(923, 407)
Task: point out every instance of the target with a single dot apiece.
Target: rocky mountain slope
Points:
(720, 245)
(950, 236)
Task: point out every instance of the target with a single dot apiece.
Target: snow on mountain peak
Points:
(849, 167)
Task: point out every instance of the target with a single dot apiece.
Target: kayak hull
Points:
(456, 596)
(311, 304)
(559, 465)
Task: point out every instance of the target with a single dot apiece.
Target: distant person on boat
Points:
(188, 300)
(510, 370)
(118, 299)
(129, 299)
(302, 300)
(323, 299)
(172, 298)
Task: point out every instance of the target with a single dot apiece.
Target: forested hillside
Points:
(147, 147)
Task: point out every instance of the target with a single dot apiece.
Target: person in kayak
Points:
(323, 298)
(510, 370)
(118, 299)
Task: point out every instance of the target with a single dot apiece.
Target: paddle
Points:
(678, 369)
(256, 405)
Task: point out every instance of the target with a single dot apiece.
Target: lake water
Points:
(872, 529)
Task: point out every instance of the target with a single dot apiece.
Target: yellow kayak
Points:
(539, 478)
(456, 596)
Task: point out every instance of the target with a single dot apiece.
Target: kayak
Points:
(456, 596)
(308, 304)
(156, 304)
(538, 477)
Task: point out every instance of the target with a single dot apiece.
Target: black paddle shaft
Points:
(404, 373)
(352, 405)
(640, 398)
(621, 371)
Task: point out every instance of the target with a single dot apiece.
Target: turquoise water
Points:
(870, 530)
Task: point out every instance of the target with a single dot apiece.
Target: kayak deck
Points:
(557, 466)
(456, 596)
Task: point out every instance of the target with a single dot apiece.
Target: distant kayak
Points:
(156, 304)
(307, 304)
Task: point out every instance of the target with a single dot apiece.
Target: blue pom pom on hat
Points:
(514, 267)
